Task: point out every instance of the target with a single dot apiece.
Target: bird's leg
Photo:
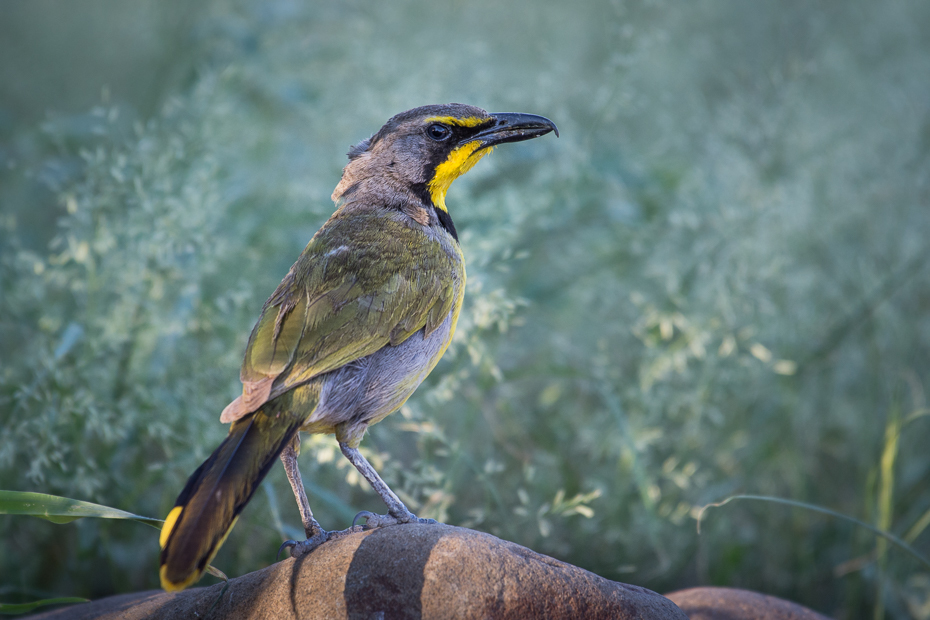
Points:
(397, 512)
(289, 460)
(316, 535)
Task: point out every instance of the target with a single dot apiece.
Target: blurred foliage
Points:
(715, 281)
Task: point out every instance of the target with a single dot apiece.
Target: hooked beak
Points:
(509, 127)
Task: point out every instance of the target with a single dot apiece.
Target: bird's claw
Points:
(287, 544)
(304, 547)
(365, 514)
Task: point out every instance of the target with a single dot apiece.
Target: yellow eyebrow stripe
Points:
(469, 121)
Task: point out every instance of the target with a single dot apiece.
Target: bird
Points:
(358, 322)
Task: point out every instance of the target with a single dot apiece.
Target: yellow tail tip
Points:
(195, 574)
(175, 586)
(170, 520)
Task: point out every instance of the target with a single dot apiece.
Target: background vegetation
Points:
(714, 282)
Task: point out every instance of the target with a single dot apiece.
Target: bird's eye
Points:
(438, 132)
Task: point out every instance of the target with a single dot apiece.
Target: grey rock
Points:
(402, 571)
(734, 604)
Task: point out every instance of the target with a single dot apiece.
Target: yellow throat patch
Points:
(458, 163)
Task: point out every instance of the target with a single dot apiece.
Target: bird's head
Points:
(418, 153)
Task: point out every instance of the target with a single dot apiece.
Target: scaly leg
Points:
(289, 460)
(316, 535)
(397, 512)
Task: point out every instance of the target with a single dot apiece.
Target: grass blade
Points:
(62, 509)
(790, 502)
(24, 608)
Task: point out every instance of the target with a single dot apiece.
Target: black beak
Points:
(509, 127)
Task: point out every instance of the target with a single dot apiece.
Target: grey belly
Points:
(368, 389)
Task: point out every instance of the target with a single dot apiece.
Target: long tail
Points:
(206, 510)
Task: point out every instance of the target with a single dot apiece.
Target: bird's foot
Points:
(304, 547)
(373, 520)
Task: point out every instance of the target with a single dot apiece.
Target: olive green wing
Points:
(347, 296)
(380, 293)
(271, 347)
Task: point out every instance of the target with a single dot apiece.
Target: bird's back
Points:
(412, 291)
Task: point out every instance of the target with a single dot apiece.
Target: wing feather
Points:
(357, 287)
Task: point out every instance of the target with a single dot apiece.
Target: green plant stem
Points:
(790, 502)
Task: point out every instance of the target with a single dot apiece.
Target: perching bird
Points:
(356, 325)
